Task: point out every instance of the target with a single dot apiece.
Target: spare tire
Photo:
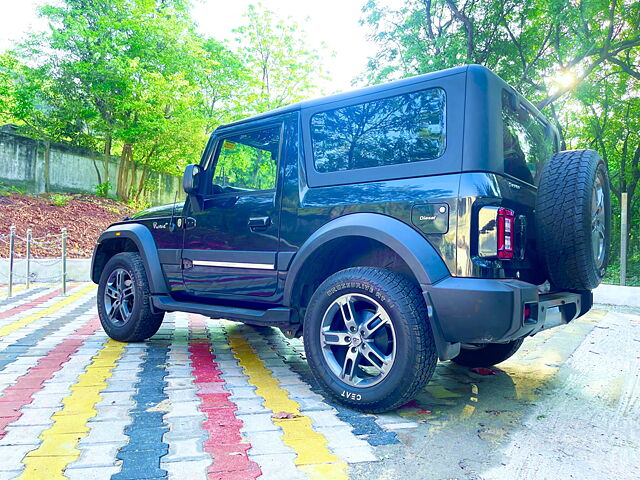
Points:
(573, 219)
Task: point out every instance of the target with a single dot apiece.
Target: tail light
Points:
(506, 228)
(496, 232)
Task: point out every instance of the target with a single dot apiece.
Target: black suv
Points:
(428, 218)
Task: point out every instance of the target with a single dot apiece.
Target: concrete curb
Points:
(46, 270)
(617, 295)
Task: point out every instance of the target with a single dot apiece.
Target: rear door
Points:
(231, 243)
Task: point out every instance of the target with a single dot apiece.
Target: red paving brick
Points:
(225, 445)
(15, 397)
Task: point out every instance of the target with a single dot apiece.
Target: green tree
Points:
(576, 59)
(280, 66)
(126, 75)
(133, 77)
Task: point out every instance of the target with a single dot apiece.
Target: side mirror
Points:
(191, 179)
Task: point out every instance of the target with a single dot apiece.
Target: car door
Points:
(231, 241)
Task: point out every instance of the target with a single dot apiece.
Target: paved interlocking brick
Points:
(225, 443)
(192, 402)
(145, 447)
(185, 445)
(18, 359)
(24, 321)
(361, 424)
(93, 473)
(257, 422)
(60, 441)
(312, 455)
(61, 354)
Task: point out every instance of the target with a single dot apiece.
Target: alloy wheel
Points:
(598, 221)
(119, 296)
(358, 340)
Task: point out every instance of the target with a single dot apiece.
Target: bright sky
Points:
(334, 22)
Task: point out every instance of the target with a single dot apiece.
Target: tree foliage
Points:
(134, 77)
(578, 60)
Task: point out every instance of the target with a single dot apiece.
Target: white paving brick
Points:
(186, 457)
(22, 435)
(278, 466)
(326, 418)
(102, 431)
(257, 422)
(191, 469)
(186, 448)
(98, 450)
(248, 406)
(37, 416)
(267, 443)
(12, 457)
(94, 473)
(97, 455)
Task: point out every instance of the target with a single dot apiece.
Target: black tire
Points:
(414, 355)
(487, 355)
(564, 215)
(142, 322)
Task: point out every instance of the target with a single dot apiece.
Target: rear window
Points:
(527, 141)
(401, 129)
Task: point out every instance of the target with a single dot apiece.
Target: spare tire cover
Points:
(573, 219)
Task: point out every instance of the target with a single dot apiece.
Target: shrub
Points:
(102, 189)
(59, 200)
(6, 190)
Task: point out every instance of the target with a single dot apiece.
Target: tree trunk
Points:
(95, 165)
(107, 157)
(143, 179)
(123, 172)
(47, 157)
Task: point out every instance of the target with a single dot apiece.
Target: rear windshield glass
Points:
(527, 141)
(400, 129)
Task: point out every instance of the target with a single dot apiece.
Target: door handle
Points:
(189, 223)
(259, 223)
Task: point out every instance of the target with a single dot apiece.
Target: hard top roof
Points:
(353, 94)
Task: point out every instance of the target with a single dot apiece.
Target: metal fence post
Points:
(12, 244)
(623, 238)
(28, 259)
(64, 261)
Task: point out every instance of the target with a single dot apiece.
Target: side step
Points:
(280, 316)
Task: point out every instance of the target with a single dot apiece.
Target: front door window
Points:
(248, 161)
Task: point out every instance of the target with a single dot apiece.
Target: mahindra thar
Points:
(431, 218)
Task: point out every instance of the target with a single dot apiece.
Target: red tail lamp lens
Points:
(506, 221)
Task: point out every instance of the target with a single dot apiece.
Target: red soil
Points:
(84, 217)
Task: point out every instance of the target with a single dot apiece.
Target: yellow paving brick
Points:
(68, 424)
(312, 454)
(439, 391)
(321, 472)
(59, 442)
(49, 468)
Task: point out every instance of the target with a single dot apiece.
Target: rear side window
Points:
(527, 142)
(401, 129)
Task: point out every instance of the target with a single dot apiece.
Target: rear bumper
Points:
(472, 310)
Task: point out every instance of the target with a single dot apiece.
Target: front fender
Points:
(142, 238)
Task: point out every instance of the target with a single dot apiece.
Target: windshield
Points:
(527, 141)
